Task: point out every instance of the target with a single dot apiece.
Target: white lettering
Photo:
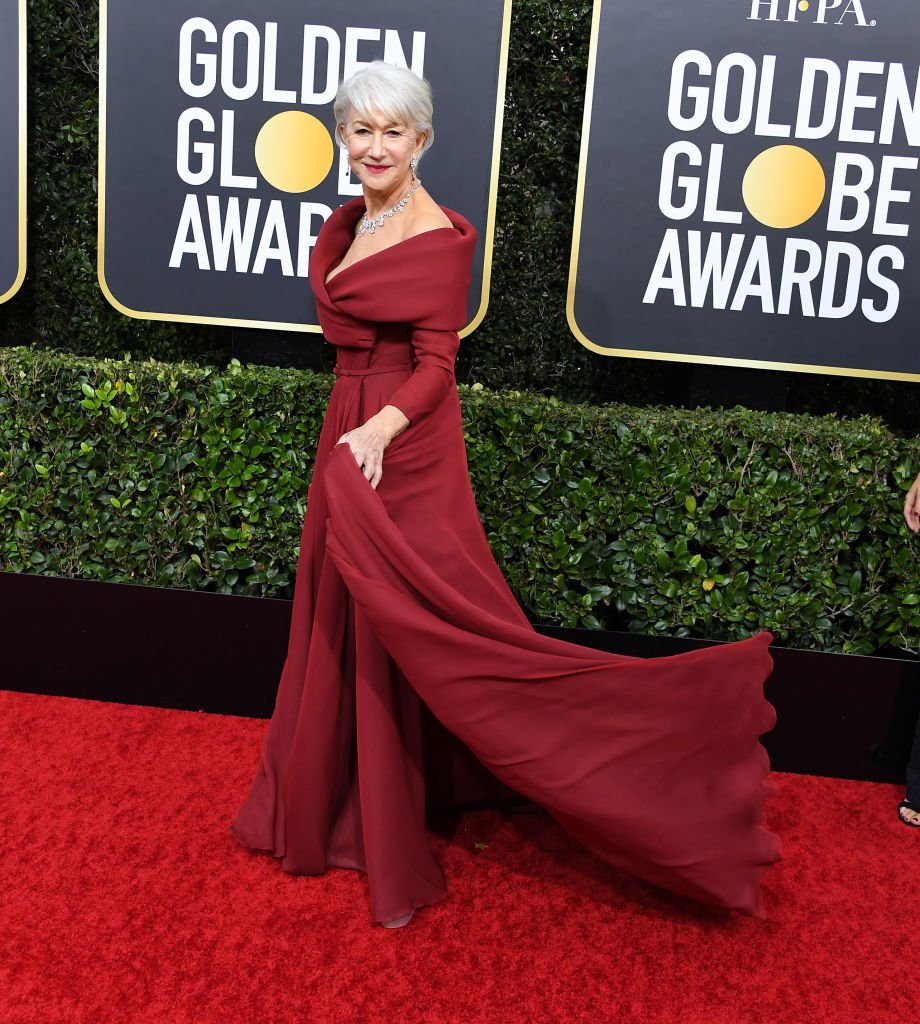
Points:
(896, 258)
(762, 124)
(353, 38)
(668, 260)
(227, 178)
(849, 300)
(897, 97)
(711, 212)
(699, 94)
(711, 273)
(755, 278)
(853, 7)
(688, 185)
(393, 52)
(232, 236)
(207, 62)
(801, 279)
(274, 245)
(857, 191)
(204, 150)
(771, 5)
(270, 91)
(703, 270)
(811, 67)
(853, 101)
(723, 88)
(312, 34)
(887, 194)
(306, 237)
(190, 239)
(250, 36)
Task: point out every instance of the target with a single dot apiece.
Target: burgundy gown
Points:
(654, 764)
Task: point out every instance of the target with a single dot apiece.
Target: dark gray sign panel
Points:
(13, 151)
(748, 189)
(217, 161)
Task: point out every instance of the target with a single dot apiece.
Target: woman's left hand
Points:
(369, 441)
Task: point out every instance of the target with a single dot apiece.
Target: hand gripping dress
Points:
(653, 764)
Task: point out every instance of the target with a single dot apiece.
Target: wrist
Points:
(391, 422)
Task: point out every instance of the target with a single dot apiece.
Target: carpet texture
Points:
(124, 899)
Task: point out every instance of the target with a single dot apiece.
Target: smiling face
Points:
(379, 151)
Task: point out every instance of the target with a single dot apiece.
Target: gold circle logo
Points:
(294, 151)
(783, 186)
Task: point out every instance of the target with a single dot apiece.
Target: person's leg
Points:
(909, 809)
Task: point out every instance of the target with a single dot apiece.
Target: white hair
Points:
(397, 93)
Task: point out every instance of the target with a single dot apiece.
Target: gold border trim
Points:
(21, 272)
(673, 357)
(578, 215)
(274, 325)
(493, 183)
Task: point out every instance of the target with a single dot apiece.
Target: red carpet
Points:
(125, 899)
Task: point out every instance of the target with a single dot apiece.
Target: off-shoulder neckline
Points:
(332, 274)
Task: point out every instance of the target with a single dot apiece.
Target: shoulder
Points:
(430, 222)
(431, 217)
(428, 216)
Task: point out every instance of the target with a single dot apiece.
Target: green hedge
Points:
(653, 520)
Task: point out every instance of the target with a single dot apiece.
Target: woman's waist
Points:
(371, 371)
(384, 357)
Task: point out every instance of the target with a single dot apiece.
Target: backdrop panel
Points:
(217, 163)
(747, 188)
(13, 150)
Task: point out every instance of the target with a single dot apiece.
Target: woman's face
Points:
(379, 151)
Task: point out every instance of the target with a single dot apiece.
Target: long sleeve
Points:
(435, 352)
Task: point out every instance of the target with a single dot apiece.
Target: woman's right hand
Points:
(369, 441)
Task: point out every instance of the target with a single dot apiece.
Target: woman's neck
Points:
(375, 203)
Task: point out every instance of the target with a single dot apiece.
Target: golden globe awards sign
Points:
(217, 160)
(13, 151)
(749, 190)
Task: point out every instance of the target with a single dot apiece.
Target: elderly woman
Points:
(654, 765)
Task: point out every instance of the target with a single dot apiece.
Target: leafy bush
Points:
(653, 520)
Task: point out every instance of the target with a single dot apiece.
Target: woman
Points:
(654, 765)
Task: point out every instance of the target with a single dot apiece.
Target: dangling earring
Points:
(413, 163)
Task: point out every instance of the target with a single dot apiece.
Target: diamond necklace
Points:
(371, 225)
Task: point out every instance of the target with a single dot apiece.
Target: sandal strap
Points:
(907, 805)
